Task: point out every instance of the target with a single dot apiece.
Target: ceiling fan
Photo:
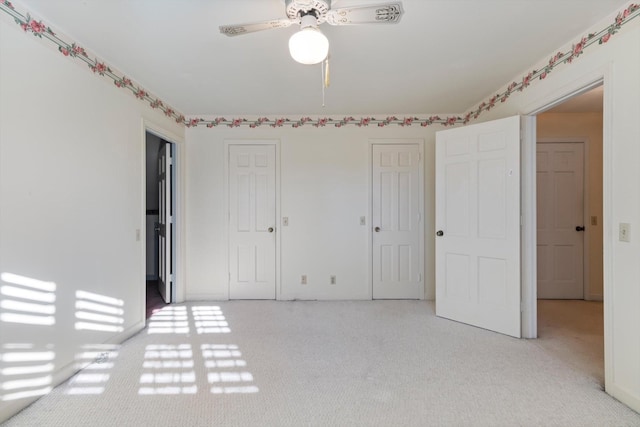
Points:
(309, 45)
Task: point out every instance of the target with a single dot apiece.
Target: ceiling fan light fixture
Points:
(309, 46)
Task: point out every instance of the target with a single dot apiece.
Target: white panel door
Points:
(397, 215)
(252, 210)
(165, 231)
(478, 225)
(560, 212)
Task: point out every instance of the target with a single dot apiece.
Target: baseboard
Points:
(306, 297)
(207, 297)
(624, 396)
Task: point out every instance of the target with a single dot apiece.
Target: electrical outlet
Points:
(102, 357)
(624, 232)
(285, 221)
(303, 279)
(332, 280)
(363, 220)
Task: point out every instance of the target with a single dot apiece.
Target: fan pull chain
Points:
(326, 81)
(327, 78)
(322, 80)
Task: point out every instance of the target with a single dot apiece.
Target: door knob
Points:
(270, 230)
(377, 229)
(439, 233)
(580, 228)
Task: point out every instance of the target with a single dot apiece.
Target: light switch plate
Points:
(363, 220)
(285, 221)
(624, 232)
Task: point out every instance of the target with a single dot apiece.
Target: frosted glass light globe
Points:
(309, 46)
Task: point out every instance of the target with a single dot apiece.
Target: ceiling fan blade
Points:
(372, 14)
(236, 30)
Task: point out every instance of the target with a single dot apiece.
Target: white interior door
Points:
(396, 222)
(560, 213)
(252, 225)
(478, 223)
(165, 232)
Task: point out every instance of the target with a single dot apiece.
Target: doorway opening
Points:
(569, 205)
(160, 204)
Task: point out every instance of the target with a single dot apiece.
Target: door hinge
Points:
(521, 220)
(521, 306)
(419, 217)
(419, 277)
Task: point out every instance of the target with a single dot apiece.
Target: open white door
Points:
(165, 232)
(478, 223)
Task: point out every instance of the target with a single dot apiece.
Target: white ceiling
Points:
(445, 56)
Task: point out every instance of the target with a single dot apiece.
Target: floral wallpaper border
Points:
(71, 49)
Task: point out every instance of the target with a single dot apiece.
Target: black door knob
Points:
(579, 228)
(439, 233)
(270, 229)
(377, 229)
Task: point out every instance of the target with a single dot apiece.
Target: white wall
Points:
(71, 199)
(324, 191)
(563, 127)
(618, 61)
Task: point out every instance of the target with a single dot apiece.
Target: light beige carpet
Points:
(573, 331)
(389, 363)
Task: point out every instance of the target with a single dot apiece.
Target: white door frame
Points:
(227, 144)
(179, 201)
(420, 143)
(596, 78)
(586, 277)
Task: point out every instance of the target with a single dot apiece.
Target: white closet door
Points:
(252, 209)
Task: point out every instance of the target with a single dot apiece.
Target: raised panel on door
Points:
(560, 209)
(478, 225)
(396, 222)
(252, 222)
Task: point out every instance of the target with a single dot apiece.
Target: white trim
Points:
(405, 141)
(528, 246)
(608, 235)
(576, 87)
(278, 220)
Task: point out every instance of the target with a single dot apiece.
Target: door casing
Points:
(528, 193)
(178, 144)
